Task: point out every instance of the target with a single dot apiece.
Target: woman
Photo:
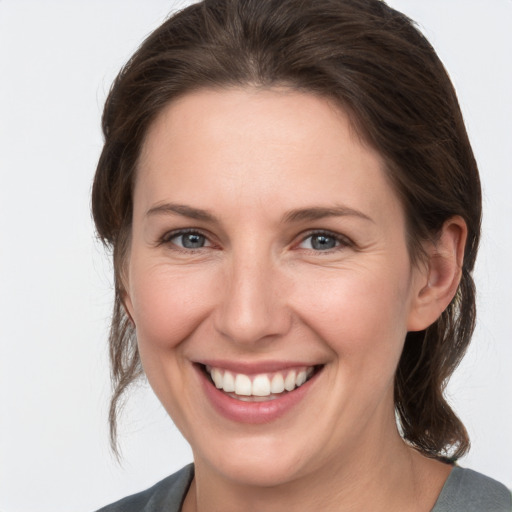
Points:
(294, 211)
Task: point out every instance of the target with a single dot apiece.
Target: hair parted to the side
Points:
(380, 69)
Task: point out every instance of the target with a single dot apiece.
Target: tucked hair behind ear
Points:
(381, 70)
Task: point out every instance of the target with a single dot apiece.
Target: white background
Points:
(57, 60)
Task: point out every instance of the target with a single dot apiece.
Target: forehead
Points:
(258, 146)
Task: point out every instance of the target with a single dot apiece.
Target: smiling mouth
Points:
(260, 387)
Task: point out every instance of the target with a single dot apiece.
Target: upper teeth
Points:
(263, 384)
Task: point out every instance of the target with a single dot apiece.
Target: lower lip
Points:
(253, 412)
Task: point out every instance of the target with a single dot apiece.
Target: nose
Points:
(252, 307)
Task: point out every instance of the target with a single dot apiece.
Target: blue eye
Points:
(189, 240)
(321, 242)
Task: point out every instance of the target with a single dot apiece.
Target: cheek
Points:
(358, 313)
(168, 304)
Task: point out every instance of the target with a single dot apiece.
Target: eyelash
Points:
(340, 240)
(168, 237)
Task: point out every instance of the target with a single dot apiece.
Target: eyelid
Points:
(341, 240)
(167, 237)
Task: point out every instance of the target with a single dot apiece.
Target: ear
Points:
(125, 295)
(439, 277)
(126, 302)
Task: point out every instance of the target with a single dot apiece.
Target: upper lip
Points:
(256, 367)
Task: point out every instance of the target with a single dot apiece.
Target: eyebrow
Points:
(293, 216)
(183, 210)
(316, 213)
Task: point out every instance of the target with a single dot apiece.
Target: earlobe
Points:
(440, 276)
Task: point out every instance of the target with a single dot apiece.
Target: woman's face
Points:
(268, 248)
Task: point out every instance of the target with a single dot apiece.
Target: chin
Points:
(259, 472)
(258, 463)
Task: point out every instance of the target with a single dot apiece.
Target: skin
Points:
(258, 290)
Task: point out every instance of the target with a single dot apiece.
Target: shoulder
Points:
(168, 494)
(466, 490)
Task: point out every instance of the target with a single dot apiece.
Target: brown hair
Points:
(384, 73)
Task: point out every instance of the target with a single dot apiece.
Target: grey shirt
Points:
(464, 491)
